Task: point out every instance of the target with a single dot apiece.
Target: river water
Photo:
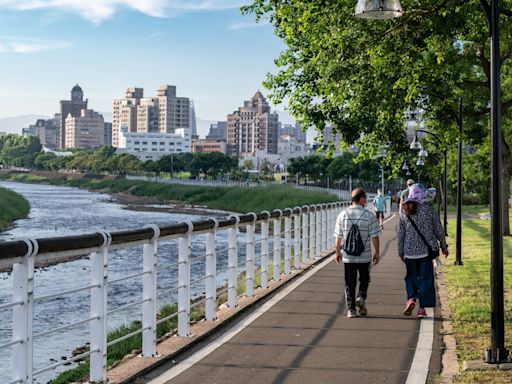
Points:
(58, 211)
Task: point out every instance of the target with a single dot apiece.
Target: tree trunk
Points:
(505, 185)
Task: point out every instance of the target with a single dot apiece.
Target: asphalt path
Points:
(302, 335)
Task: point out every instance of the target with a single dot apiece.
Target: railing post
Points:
(312, 232)
(277, 245)
(98, 326)
(264, 251)
(233, 263)
(318, 226)
(149, 256)
(305, 233)
(325, 226)
(296, 238)
(211, 273)
(249, 257)
(184, 282)
(22, 314)
(287, 241)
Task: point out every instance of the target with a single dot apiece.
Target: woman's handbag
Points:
(432, 253)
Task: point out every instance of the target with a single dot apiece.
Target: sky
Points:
(207, 48)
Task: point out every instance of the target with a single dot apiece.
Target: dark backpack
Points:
(354, 245)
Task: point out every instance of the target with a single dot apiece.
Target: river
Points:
(58, 211)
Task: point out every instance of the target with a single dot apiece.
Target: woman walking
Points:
(419, 236)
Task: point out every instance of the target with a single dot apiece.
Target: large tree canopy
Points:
(362, 75)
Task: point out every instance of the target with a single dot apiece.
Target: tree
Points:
(362, 75)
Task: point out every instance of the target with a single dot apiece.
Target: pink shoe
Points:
(422, 313)
(409, 306)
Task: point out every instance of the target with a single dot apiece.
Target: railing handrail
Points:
(18, 248)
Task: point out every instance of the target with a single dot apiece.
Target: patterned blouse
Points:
(410, 244)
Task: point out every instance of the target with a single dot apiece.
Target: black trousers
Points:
(351, 272)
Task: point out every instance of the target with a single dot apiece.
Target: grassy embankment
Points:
(232, 199)
(12, 206)
(469, 297)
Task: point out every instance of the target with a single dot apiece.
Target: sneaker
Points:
(409, 306)
(351, 313)
(422, 313)
(362, 306)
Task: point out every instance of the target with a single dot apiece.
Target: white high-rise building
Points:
(154, 145)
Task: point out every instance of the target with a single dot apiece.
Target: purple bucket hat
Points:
(417, 194)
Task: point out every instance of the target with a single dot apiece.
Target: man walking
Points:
(405, 194)
(354, 249)
(379, 207)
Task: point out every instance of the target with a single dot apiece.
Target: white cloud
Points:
(12, 44)
(250, 24)
(98, 11)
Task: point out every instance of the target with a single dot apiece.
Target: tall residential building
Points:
(125, 113)
(174, 112)
(85, 131)
(71, 107)
(164, 113)
(147, 115)
(253, 128)
(107, 135)
(193, 120)
(218, 130)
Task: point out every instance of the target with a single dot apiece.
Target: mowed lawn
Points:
(469, 294)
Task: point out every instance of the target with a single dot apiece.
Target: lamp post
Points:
(458, 235)
(391, 9)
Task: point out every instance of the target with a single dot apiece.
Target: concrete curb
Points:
(450, 362)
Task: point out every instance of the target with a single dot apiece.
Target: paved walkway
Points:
(306, 337)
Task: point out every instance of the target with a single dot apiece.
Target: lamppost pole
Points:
(445, 197)
(458, 236)
(497, 353)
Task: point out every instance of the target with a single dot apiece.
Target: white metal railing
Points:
(299, 235)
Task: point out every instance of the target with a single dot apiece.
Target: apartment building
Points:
(164, 113)
(85, 131)
(253, 128)
(71, 107)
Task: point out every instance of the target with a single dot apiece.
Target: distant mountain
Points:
(14, 124)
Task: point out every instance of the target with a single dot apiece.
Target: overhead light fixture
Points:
(378, 9)
(420, 161)
(423, 153)
(405, 167)
(416, 144)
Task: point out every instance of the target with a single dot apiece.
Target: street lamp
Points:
(377, 10)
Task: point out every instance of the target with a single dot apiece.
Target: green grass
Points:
(469, 209)
(12, 206)
(232, 199)
(469, 297)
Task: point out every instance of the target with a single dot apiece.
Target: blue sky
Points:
(211, 52)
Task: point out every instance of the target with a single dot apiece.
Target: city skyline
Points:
(211, 52)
